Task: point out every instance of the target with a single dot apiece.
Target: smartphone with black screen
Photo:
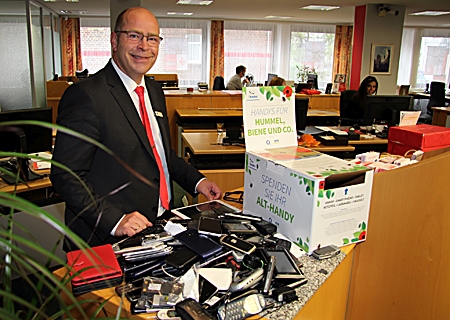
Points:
(210, 226)
(200, 244)
(182, 258)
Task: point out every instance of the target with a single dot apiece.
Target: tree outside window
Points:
(314, 50)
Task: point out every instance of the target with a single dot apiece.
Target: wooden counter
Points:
(401, 271)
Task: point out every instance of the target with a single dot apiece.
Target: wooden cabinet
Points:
(55, 90)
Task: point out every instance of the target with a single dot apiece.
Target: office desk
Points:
(198, 119)
(440, 115)
(30, 186)
(203, 152)
(423, 95)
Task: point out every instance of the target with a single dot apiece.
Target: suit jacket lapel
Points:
(158, 106)
(124, 101)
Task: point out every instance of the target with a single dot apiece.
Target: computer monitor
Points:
(269, 77)
(385, 109)
(312, 78)
(301, 111)
(33, 138)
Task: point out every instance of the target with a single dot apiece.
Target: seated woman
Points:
(277, 81)
(355, 108)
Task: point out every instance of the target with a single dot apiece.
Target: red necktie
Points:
(146, 122)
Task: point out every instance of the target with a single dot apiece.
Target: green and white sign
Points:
(269, 117)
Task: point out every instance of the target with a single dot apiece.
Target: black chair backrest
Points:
(219, 83)
(437, 95)
(344, 100)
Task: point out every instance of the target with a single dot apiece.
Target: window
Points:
(95, 47)
(312, 46)
(433, 57)
(95, 44)
(434, 61)
(250, 45)
(183, 51)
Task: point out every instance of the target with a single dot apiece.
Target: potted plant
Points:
(303, 71)
(48, 296)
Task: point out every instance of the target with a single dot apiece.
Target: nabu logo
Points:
(252, 95)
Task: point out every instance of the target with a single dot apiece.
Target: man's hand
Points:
(131, 224)
(209, 189)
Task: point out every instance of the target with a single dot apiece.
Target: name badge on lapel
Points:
(158, 114)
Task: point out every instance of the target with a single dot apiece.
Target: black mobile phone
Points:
(210, 226)
(189, 309)
(206, 289)
(181, 258)
(200, 244)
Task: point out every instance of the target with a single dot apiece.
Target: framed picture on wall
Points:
(380, 62)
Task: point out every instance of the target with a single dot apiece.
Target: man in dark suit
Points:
(108, 198)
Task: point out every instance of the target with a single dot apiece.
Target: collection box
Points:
(419, 137)
(314, 199)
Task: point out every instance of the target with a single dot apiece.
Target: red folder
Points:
(93, 268)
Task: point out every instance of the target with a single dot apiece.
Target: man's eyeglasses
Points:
(136, 37)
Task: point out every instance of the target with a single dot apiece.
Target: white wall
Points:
(383, 30)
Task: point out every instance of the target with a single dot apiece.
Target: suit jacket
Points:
(101, 108)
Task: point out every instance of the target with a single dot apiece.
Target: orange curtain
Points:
(70, 46)
(217, 51)
(342, 51)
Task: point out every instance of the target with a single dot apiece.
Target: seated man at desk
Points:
(115, 196)
(235, 82)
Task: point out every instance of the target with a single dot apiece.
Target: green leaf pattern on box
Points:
(358, 235)
(269, 92)
(303, 244)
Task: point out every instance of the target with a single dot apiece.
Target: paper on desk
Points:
(338, 132)
(220, 277)
(409, 118)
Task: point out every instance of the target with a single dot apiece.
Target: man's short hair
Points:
(120, 21)
(239, 69)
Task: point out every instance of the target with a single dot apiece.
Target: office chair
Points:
(437, 99)
(344, 100)
(437, 96)
(219, 83)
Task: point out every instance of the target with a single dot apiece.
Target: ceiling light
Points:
(66, 11)
(72, 0)
(429, 13)
(49, 0)
(277, 17)
(319, 8)
(195, 2)
(83, 12)
(173, 13)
